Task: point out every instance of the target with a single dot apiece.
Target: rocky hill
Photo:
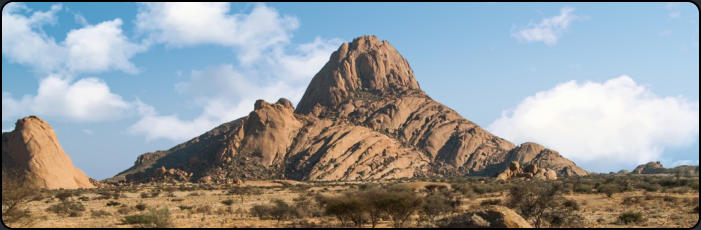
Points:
(362, 117)
(31, 154)
(657, 168)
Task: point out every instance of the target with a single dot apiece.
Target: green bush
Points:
(609, 189)
(155, 218)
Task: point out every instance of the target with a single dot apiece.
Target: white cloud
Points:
(91, 49)
(185, 23)
(87, 100)
(100, 47)
(608, 124)
(549, 30)
(226, 93)
(24, 42)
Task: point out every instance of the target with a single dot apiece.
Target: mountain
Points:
(31, 153)
(363, 116)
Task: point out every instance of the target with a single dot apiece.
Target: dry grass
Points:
(658, 209)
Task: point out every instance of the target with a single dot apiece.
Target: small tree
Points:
(15, 194)
(400, 203)
(281, 210)
(435, 205)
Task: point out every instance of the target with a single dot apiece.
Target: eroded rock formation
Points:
(32, 154)
(362, 117)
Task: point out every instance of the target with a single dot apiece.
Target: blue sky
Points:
(608, 85)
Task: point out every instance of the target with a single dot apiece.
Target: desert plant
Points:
(155, 218)
(435, 205)
(400, 203)
(63, 196)
(113, 203)
(227, 202)
(630, 217)
(15, 194)
(490, 202)
(140, 206)
(609, 189)
(99, 213)
(206, 209)
(70, 208)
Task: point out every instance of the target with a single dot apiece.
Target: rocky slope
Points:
(363, 116)
(33, 155)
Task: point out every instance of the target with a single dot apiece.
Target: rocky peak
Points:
(366, 65)
(32, 150)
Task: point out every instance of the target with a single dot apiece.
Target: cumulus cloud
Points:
(225, 92)
(88, 99)
(96, 48)
(24, 42)
(548, 30)
(600, 125)
(186, 23)
(90, 49)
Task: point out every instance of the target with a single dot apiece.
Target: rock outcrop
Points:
(528, 172)
(491, 217)
(362, 117)
(32, 153)
(649, 168)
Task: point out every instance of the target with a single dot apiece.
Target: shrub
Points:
(113, 203)
(155, 218)
(15, 194)
(140, 206)
(281, 210)
(206, 209)
(631, 200)
(67, 208)
(83, 198)
(261, 211)
(582, 188)
(435, 205)
(124, 210)
(62, 196)
(185, 207)
(145, 195)
(609, 189)
(630, 217)
(227, 202)
(490, 202)
(193, 194)
(542, 204)
(99, 213)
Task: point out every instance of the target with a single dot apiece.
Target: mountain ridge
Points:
(362, 117)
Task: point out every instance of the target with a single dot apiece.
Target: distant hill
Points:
(657, 168)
